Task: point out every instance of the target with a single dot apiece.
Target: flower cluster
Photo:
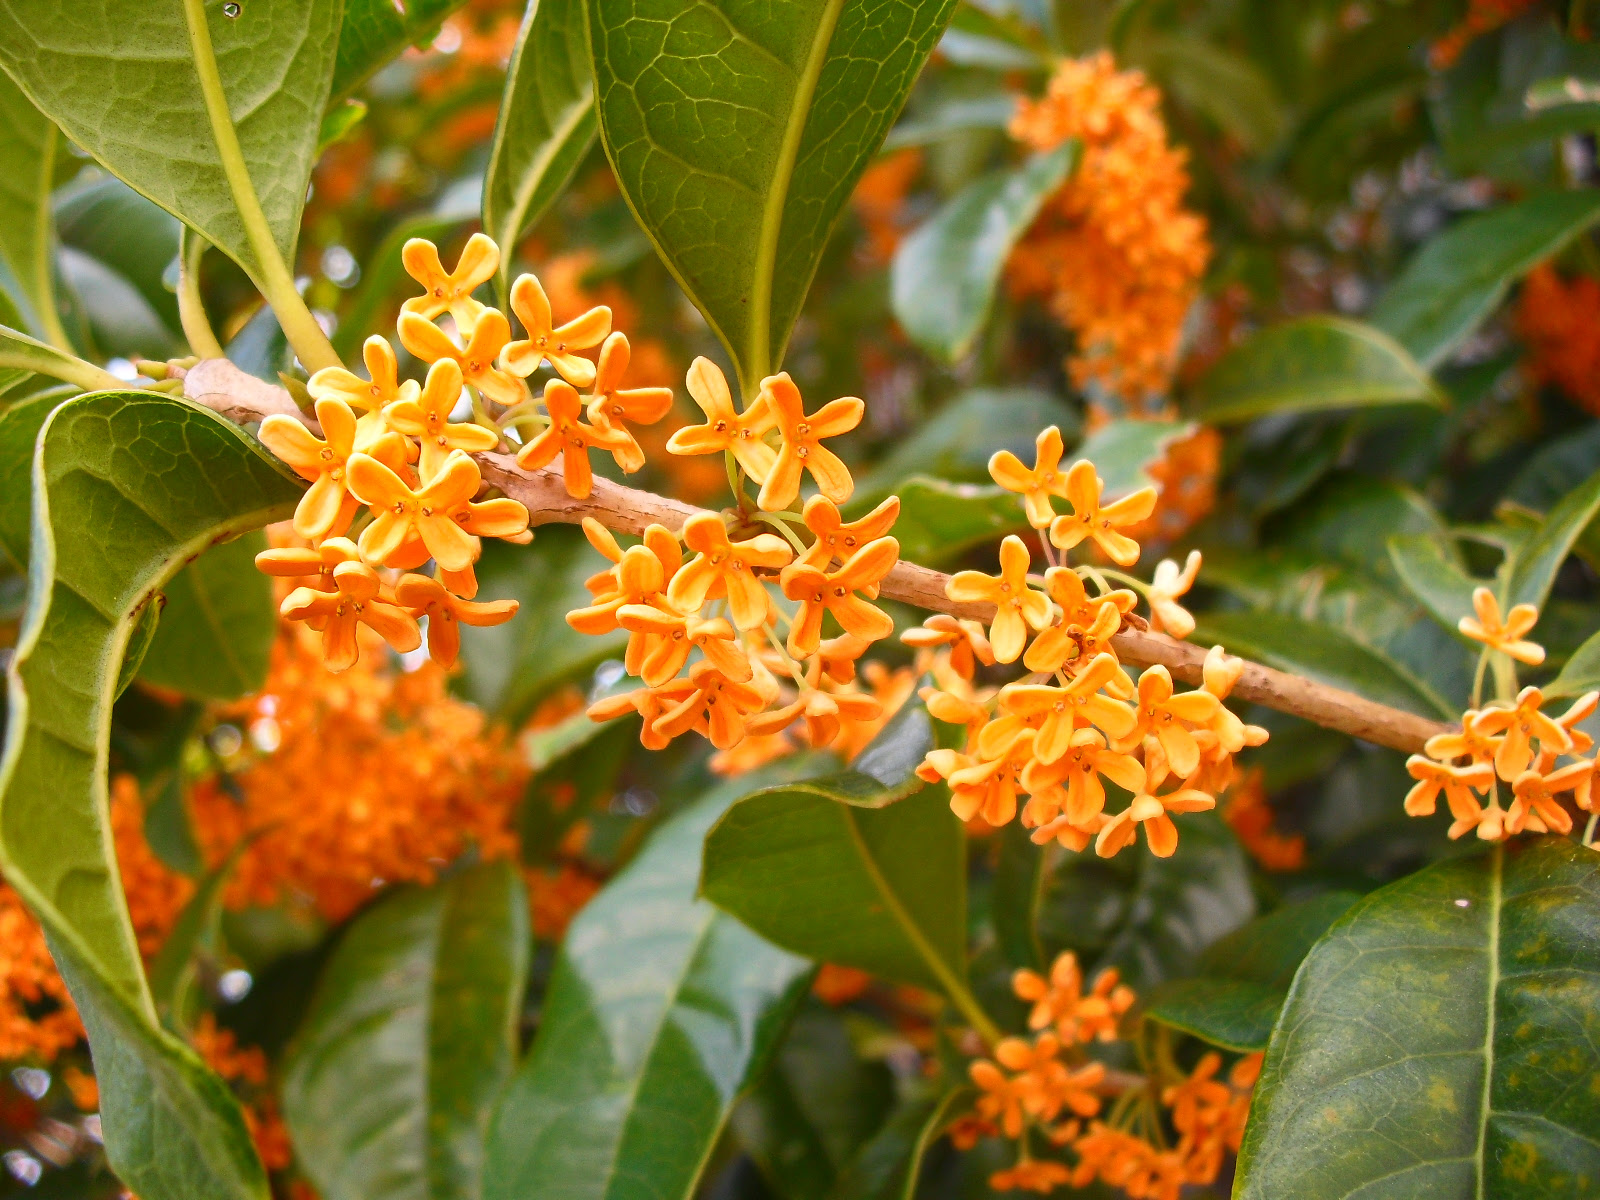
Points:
(1078, 719)
(1559, 319)
(1509, 741)
(1115, 252)
(1048, 1085)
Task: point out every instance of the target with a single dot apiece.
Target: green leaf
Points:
(390, 1082)
(863, 870)
(1534, 566)
(1324, 653)
(1431, 573)
(118, 506)
(1459, 277)
(889, 1167)
(546, 126)
(214, 639)
(660, 1011)
(376, 31)
(940, 521)
(1235, 999)
(174, 972)
(943, 279)
(126, 234)
(955, 114)
(1018, 888)
(90, 67)
(1310, 365)
(21, 352)
(1440, 1040)
(27, 233)
(19, 430)
(737, 130)
(1225, 86)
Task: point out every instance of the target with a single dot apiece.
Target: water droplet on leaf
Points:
(232, 9)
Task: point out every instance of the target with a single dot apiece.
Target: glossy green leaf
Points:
(940, 521)
(1431, 574)
(90, 66)
(955, 442)
(27, 234)
(889, 1167)
(127, 235)
(390, 1082)
(21, 352)
(1580, 674)
(660, 1010)
(1533, 568)
(1234, 1000)
(1015, 895)
(959, 114)
(737, 131)
(858, 869)
(1459, 277)
(1322, 652)
(19, 430)
(376, 31)
(1440, 1040)
(944, 276)
(174, 973)
(117, 508)
(547, 122)
(1310, 365)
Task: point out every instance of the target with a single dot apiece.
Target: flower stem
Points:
(191, 308)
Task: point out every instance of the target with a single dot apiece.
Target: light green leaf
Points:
(547, 122)
(21, 352)
(1234, 1000)
(957, 114)
(390, 1082)
(943, 279)
(737, 130)
(1459, 277)
(27, 234)
(863, 870)
(19, 430)
(1440, 1040)
(660, 1011)
(1122, 451)
(1434, 576)
(1309, 365)
(1324, 653)
(117, 507)
(1580, 674)
(174, 972)
(940, 521)
(90, 67)
(375, 31)
(127, 234)
(889, 1167)
(1534, 566)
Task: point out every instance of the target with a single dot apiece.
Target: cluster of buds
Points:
(1078, 719)
(1047, 1088)
(1509, 741)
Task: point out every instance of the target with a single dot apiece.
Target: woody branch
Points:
(219, 385)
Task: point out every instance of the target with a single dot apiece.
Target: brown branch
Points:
(219, 385)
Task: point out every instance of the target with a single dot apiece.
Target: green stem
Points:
(273, 275)
(44, 244)
(191, 309)
(782, 526)
(1477, 677)
(66, 367)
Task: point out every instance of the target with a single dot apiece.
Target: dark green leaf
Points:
(1431, 573)
(1309, 365)
(1581, 672)
(1440, 1040)
(1243, 979)
(939, 521)
(943, 279)
(376, 31)
(89, 66)
(127, 235)
(19, 430)
(956, 442)
(953, 115)
(389, 1085)
(659, 1011)
(1459, 277)
(1019, 882)
(737, 132)
(1225, 86)
(889, 1167)
(118, 508)
(27, 235)
(547, 122)
(1534, 567)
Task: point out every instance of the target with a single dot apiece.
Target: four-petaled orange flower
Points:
(612, 405)
(1166, 585)
(1057, 711)
(739, 434)
(838, 538)
(549, 343)
(1504, 635)
(1016, 604)
(1091, 519)
(450, 291)
(327, 507)
(358, 599)
(672, 636)
(835, 592)
(1086, 628)
(1150, 812)
(1071, 784)
(569, 436)
(429, 514)
(1036, 486)
(426, 597)
(726, 568)
(1167, 717)
(1536, 807)
(801, 448)
(823, 712)
(384, 386)
(426, 417)
(1521, 723)
(476, 359)
(987, 787)
(649, 703)
(1457, 784)
(969, 644)
(718, 706)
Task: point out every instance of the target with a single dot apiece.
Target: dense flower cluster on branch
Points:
(1559, 319)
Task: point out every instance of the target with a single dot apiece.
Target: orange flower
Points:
(726, 568)
(1051, 998)
(968, 643)
(1521, 724)
(717, 707)
(835, 592)
(1503, 635)
(383, 387)
(1036, 486)
(1467, 742)
(1057, 711)
(1031, 1174)
(1559, 320)
(1016, 604)
(299, 562)
(823, 712)
(429, 514)
(611, 404)
(359, 600)
(1151, 812)
(724, 429)
(1090, 519)
(1168, 718)
(1535, 806)
(446, 614)
(1200, 1100)
(801, 447)
(476, 359)
(1060, 1001)
(426, 417)
(837, 538)
(1251, 818)
(449, 291)
(568, 436)
(327, 506)
(1000, 1099)
(1071, 784)
(1457, 784)
(672, 637)
(547, 342)
(1166, 585)
(650, 703)
(986, 787)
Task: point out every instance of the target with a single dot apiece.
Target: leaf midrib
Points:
(1496, 902)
